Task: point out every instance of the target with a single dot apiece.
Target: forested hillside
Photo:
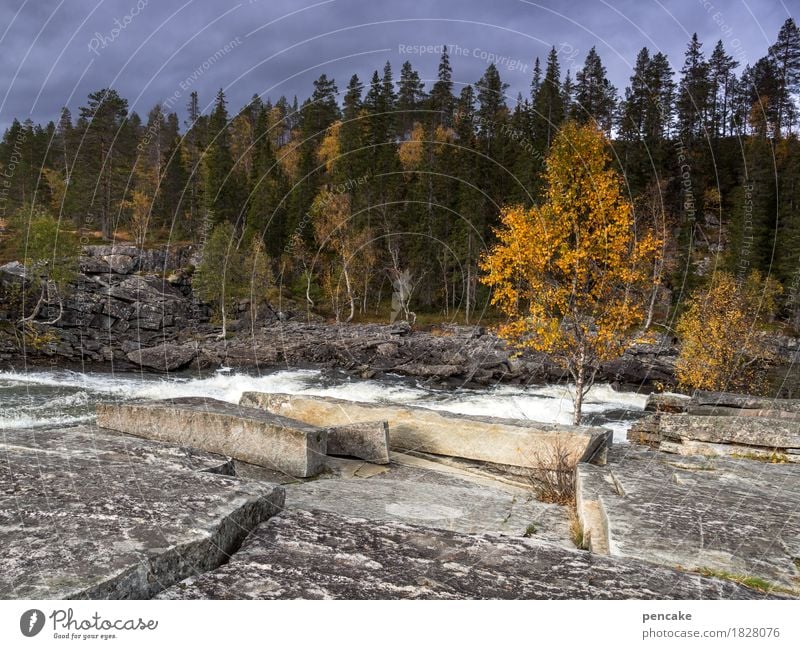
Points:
(374, 183)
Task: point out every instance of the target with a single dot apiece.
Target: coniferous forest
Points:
(337, 195)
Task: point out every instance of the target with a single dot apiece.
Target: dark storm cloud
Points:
(57, 51)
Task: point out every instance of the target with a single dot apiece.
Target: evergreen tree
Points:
(410, 98)
(693, 92)
(595, 97)
(105, 163)
(635, 106)
(222, 187)
(721, 77)
(548, 105)
(786, 55)
(441, 98)
(266, 210)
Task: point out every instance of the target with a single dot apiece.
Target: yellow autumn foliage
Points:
(721, 348)
(570, 273)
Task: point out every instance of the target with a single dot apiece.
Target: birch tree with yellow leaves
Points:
(570, 273)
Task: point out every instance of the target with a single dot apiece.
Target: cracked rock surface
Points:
(315, 555)
(93, 514)
(722, 515)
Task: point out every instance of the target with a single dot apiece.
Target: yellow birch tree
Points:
(570, 273)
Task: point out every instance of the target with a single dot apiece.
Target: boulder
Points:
(667, 402)
(164, 358)
(120, 264)
(247, 434)
(748, 431)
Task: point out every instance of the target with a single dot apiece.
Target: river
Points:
(36, 398)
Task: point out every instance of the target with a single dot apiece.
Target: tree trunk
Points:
(349, 295)
(580, 382)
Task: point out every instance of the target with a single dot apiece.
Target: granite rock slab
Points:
(724, 515)
(322, 555)
(247, 434)
(511, 442)
(92, 514)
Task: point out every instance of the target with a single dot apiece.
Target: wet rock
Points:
(164, 358)
(320, 555)
(90, 514)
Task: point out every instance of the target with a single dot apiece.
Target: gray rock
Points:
(733, 400)
(90, 514)
(737, 517)
(750, 431)
(247, 434)
(434, 496)
(164, 358)
(120, 264)
(320, 555)
(667, 403)
(501, 441)
(367, 440)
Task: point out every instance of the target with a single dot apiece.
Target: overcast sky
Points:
(54, 52)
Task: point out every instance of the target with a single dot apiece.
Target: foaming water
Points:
(47, 398)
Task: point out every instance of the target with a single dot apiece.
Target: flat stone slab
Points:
(104, 446)
(738, 517)
(501, 441)
(247, 434)
(367, 440)
(748, 431)
(322, 555)
(743, 401)
(421, 496)
(89, 513)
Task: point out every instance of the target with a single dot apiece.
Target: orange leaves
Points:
(720, 345)
(570, 273)
(411, 151)
(330, 147)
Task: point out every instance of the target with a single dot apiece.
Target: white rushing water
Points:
(46, 398)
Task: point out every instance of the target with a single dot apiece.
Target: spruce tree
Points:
(595, 97)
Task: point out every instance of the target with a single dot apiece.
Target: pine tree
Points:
(410, 99)
(693, 92)
(441, 97)
(786, 55)
(222, 187)
(266, 215)
(548, 105)
(104, 166)
(635, 106)
(595, 97)
(721, 68)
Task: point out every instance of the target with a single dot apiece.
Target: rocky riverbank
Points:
(132, 309)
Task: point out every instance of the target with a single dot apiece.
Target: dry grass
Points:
(554, 480)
